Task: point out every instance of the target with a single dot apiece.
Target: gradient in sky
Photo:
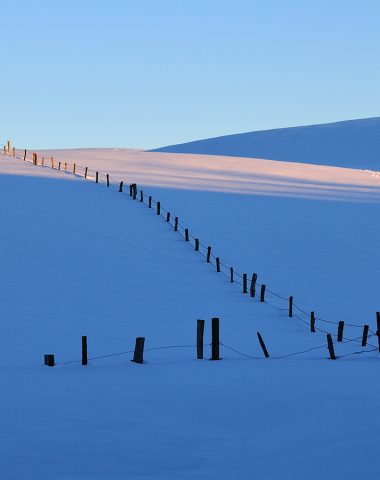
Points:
(148, 73)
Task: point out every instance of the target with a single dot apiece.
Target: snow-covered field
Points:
(80, 259)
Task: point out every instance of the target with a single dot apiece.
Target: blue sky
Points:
(148, 73)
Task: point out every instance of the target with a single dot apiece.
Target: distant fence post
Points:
(121, 187)
(150, 201)
(215, 339)
(138, 356)
(141, 196)
(24, 155)
(290, 306)
(65, 166)
(253, 285)
(52, 162)
(14, 151)
(97, 177)
(74, 168)
(378, 328)
(168, 217)
(312, 322)
(49, 360)
(330, 347)
(365, 335)
(197, 245)
(217, 264)
(200, 333)
(84, 350)
(176, 224)
(208, 254)
(134, 186)
(262, 293)
(340, 331)
(108, 179)
(245, 287)
(158, 208)
(231, 275)
(186, 234)
(85, 172)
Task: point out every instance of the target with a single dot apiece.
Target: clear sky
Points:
(147, 73)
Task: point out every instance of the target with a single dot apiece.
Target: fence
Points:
(249, 286)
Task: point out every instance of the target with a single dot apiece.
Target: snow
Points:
(352, 143)
(80, 259)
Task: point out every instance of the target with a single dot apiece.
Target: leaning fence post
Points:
(49, 360)
(84, 350)
(197, 245)
(253, 285)
(176, 224)
(340, 331)
(158, 208)
(330, 347)
(186, 234)
(208, 254)
(262, 293)
(108, 180)
(121, 187)
(262, 345)
(365, 335)
(215, 339)
(138, 356)
(85, 172)
(200, 333)
(217, 264)
(290, 306)
(245, 288)
(312, 322)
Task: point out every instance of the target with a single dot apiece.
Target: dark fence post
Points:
(217, 264)
(262, 345)
(121, 187)
(134, 191)
(176, 224)
(365, 335)
(340, 331)
(312, 322)
(290, 306)
(84, 350)
(215, 339)
(262, 293)
(59, 164)
(200, 333)
(138, 356)
(231, 275)
(52, 162)
(168, 217)
(49, 360)
(197, 245)
(108, 180)
(186, 234)
(253, 285)
(24, 155)
(378, 328)
(208, 254)
(330, 347)
(74, 168)
(130, 190)
(245, 283)
(141, 196)
(97, 177)
(158, 208)
(150, 201)
(85, 172)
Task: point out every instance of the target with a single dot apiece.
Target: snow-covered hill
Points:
(82, 259)
(353, 144)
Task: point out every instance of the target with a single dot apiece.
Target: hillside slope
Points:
(352, 144)
(79, 258)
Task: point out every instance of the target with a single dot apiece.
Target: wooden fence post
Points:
(262, 345)
(141, 196)
(217, 264)
(121, 187)
(14, 151)
(74, 168)
(200, 333)
(150, 201)
(138, 356)
(186, 234)
(65, 166)
(85, 172)
(134, 186)
(43, 161)
(252, 290)
(290, 306)
(24, 155)
(5, 149)
(231, 275)
(378, 328)
(340, 331)
(245, 288)
(97, 177)
(9, 146)
(84, 350)
(208, 259)
(197, 245)
(215, 339)
(330, 347)
(312, 322)
(176, 224)
(262, 293)
(158, 208)
(168, 217)
(59, 165)
(365, 335)
(52, 162)
(130, 190)
(108, 180)
(49, 360)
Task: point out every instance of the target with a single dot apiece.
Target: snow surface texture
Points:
(353, 144)
(81, 259)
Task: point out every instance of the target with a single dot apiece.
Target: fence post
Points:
(158, 208)
(24, 155)
(217, 264)
(365, 335)
(340, 330)
(141, 196)
(200, 333)
(245, 288)
(312, 322)
(5, 149)
(215, 339)
(253, 285)
(74, 168)
(59, 165)
(14, 151)
(85, 172)
(262, 345)
(168, 217)
(49, 360)
(290, 306)
(378, 328)
(130, 190)
(262, 293)
(97, 177)
(138, 356)
(208, 254)
(65, 166)
(108, 180)
(186, 234)
(231, 275)
(197, 245)
(84, 350)
(121, 187)
(330, 347)
(9, 147)
(43, 161)
(134, 186)
(150, 201)
(176, 224)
